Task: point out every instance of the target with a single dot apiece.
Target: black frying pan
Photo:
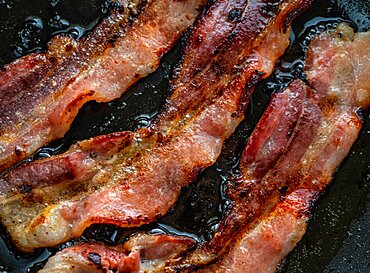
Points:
(337, 236)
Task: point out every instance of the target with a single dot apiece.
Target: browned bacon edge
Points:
(139, 179)
(40, 94)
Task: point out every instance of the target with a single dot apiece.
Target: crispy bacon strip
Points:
(261, 249)
(304, 135)
(260, 31)
(141, 254)
(129, 179)
(41, 94)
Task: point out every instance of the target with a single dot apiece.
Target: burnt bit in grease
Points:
(24, 189)
(94, 257)
(361, 113)
(234, 15)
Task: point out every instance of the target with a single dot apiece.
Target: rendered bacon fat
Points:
(40, 94)
(292, 155)
(130, 179)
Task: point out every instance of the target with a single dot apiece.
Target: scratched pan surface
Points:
(337, 239)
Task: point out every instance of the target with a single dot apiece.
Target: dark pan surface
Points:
(337, 239)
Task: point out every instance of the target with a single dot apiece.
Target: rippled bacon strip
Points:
(40, 94)
(129, 179)
(273, 236)
(304, 135)
(142, 253)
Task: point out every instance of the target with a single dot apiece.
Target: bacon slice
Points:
(261, 249)
(142, 252)
(40, 94)
(129, 179)
(303, 136)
